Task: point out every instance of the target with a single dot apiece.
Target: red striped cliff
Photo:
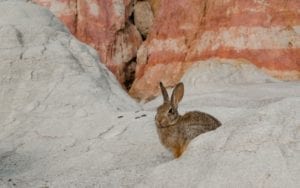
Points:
(265, 33)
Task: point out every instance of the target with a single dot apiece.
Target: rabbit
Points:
(175, 131)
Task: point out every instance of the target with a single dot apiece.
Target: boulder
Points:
(143, 17)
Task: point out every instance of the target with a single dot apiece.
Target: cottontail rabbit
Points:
(176, 131)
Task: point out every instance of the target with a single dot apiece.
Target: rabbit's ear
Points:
(177, 95)
(164, 92)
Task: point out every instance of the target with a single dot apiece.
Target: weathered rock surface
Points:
(143, 17)
(266, 33)
(124, 50)
(154, 5)
(103, 25)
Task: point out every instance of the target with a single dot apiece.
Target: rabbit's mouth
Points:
(167, 126)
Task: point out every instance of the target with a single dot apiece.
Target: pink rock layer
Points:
(266, 33)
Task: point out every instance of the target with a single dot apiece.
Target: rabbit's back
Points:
(196, 123)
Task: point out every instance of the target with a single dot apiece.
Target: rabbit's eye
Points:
(171, 111)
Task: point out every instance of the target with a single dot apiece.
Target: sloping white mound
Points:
(53, 95)
(38, 53)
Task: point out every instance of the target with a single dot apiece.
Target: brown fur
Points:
(176, 131)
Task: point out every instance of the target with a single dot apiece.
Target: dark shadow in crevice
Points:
(129, 73)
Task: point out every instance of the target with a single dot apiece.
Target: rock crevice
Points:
(116, 29)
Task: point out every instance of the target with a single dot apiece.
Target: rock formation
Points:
(143, 17)
(265, 33)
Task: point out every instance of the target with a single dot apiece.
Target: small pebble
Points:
(120, 117)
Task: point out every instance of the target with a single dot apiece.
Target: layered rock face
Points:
(265, 33)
